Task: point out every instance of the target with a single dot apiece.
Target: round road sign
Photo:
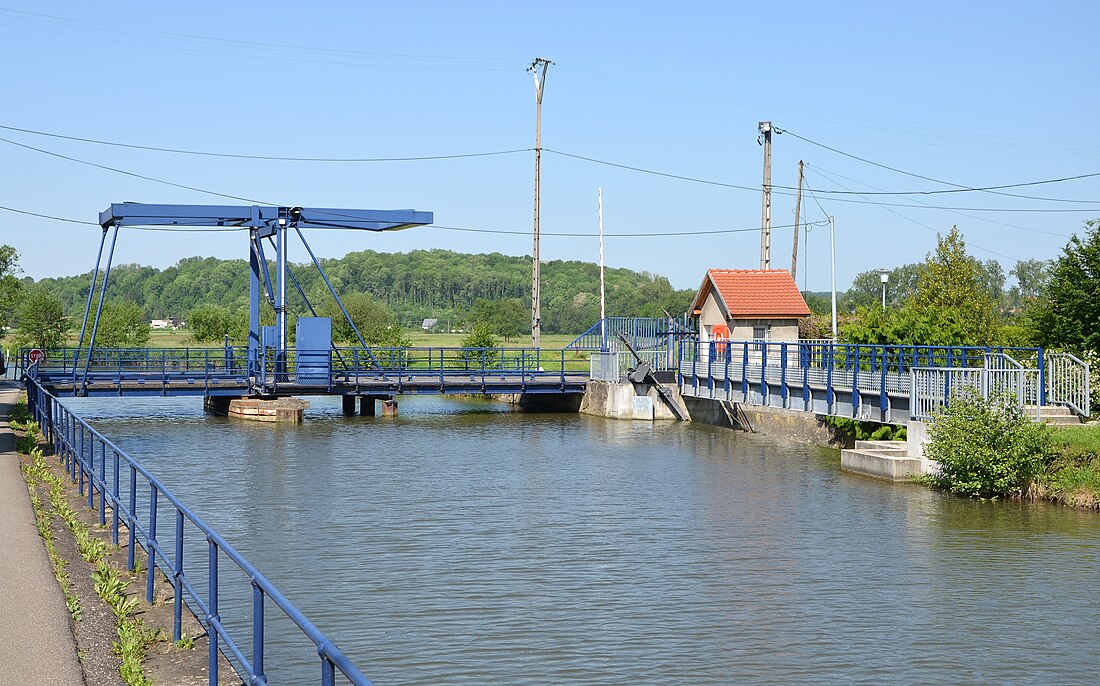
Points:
(35, 356)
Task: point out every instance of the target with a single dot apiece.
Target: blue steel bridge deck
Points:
(229, 372)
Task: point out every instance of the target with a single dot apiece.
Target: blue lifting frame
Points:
(270, 222)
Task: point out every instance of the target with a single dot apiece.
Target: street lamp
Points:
(884, 276)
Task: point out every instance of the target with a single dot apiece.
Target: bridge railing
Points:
(613, 366)
(111, 363)
(133, 500)
(432, 360)
(871, 375)
(1067, 382)
(1001, 376)
(322, 367)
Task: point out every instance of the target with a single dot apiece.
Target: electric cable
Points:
(958, 188)
(267, 158)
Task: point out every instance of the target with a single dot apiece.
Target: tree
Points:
(992, 278)
(42, 320)
(376, 322)
(480, 337)
(953, 284)
(211, 323)
(1031, 277)
(866, 288)
(952, 304)
(506, 318)
(1068, 314)
(11, 288)
(122, 325)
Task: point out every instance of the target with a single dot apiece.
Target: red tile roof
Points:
(754, 293)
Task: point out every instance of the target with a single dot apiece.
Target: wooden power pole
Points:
(797, 207)
(538, 70)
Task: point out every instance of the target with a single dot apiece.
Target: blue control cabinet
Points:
(313, 343)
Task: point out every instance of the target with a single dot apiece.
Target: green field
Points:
(181, 338)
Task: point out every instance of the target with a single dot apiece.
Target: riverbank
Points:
(1073, 478)
(106, 618)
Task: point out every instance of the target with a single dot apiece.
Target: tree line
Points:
(408, 287)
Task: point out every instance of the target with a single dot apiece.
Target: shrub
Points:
(987, 447)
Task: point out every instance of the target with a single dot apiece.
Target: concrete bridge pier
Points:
(366, 404)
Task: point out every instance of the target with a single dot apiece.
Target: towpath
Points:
(36, 641)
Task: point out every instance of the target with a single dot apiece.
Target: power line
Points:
(778, 189)
(709, 232)
(641, 170)
(133, 174)
(185, 229)
(958, 188)
(47, 216)
(925, 226)
(787, 189)
(269, 158)
(864, 201)
(827, 174)
(266, 49)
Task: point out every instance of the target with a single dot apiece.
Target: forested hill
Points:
(416, 285)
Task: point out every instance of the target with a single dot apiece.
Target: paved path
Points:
(36, 643)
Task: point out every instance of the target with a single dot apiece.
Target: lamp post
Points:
(884, 276)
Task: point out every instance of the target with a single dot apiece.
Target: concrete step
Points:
(1059, 420)
(1054, 414)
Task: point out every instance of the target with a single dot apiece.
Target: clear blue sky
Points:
(975, 94)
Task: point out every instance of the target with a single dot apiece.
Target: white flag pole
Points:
(603, 312)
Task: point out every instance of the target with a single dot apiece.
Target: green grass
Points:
(1074, 476)
(181, 338)
(1084, 438)
(422, 339)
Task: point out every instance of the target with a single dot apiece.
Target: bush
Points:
(857, 430)
(480, 337)
(987, 447)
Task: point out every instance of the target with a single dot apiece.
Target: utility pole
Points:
(832, 252)
(538, 70)
(797, 207)
(766, 210)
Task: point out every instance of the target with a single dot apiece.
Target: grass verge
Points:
(1073, 477)
(111, 582)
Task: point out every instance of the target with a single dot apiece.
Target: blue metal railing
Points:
(642, 332)
(85, 455)
(237, 367)
(869, 373)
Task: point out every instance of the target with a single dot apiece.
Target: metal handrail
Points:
(76, 444)
(874, 377)
(1067, 382)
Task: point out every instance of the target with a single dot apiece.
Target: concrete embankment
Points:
(36, 639)
(891, 460)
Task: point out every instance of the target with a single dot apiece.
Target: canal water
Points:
(462, 543)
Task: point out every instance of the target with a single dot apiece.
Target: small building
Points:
(429, 324)
(749, 305)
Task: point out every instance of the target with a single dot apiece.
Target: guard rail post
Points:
(151, 544)
(177, 581)
(102, 484)
(212, 609)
